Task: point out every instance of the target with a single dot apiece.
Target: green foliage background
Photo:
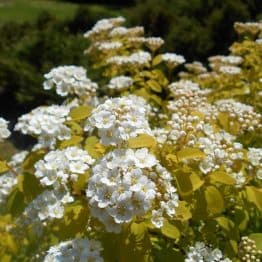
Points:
(39, 35)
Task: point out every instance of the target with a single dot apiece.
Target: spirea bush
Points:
(155, 160)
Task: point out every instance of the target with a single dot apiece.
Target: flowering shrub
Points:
(150, 163)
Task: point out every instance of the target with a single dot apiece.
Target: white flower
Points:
(202, 253)
(120, 82)
(70, 80)
(127, 183)
(119, 119)
(173, 59)
(47, 123)
(230, 70)
(60, 166)
(4, 132)
(75, 250)
(255, 156)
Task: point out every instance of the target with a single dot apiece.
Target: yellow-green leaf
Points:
(157, 60)
(32, 158)
(190, 153)
(183, 211)
(254, 195)
(154, 85)
(80, 112)
(214, 200)
(188, 182)
(142, 140)
(169, 230)
(257, 237)
(93, 147)
(222, 177)
(3, 167)
(73, 141)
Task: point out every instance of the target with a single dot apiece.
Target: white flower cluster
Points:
(230, 70)
(120, 83)
(81, 250)
(108, 45)
(126, 183)
(121, 31)
(46, 123)
(60, 166)
(231, 59)
(172, 59)
(119, 119)
(220, 149)
(7, 182)
(48, 205)
(254, 156)
(103, 26)
(154, 43)
(9, 179)
(140, 59)
(4, 132)
(244, 114)
(70, 80)
(202, 253)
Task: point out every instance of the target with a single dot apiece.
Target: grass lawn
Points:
(28, 10)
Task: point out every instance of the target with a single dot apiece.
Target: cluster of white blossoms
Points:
(69, 80)
(4, 132)
(59, 167)
(81, 250)
(46, 123)
(122, 31)
(248, 250)
(244, 114)
(219, 148)
(126, 183)
(254, 156)
(103, 26)
(226, 60)
(120, 83)
(46, 206)
(172, 59)
(140, 59)
(202, 253)
(108, 45)
(9, 180)
(230, 70)
(119, 119)
(154, 43)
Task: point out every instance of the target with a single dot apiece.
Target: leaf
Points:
(29, 185)
(222, 177)
(73, 141)
(15, 202)
(241, 218)
(142, 140)
(3, 167)
(154, 85)
(182, 211)
(214, 200)
(257, 237)
(134, 244)
(169, 230)
(223, 120)
(231, 248)
(80, 112)
(188, 182)
(157, 60)
(93, 147)
(190, 153)
(32, 158)
(254, 195)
